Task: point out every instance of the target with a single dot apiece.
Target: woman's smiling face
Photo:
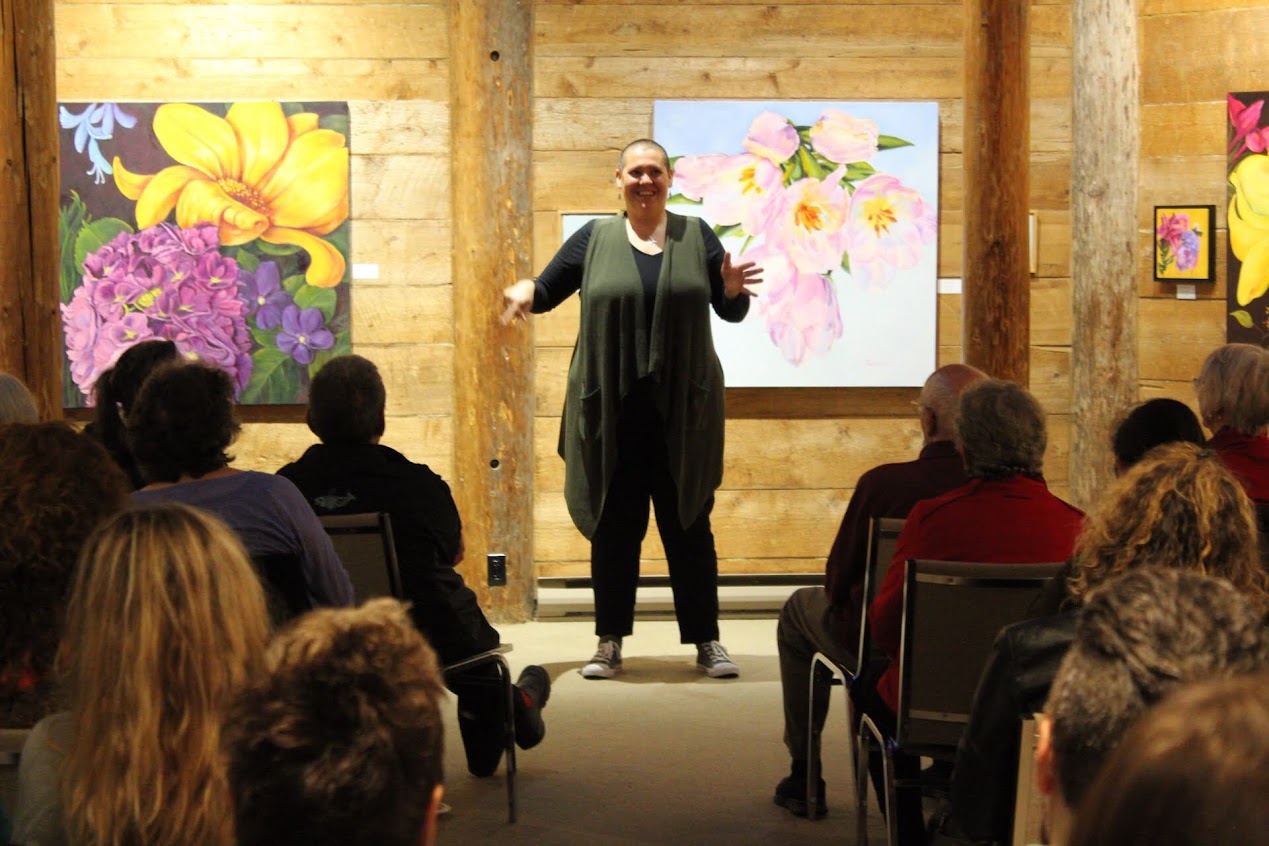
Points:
(645, 178)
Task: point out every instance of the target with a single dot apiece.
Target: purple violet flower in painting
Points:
(162, 282)
(266, 298)
(303, 332)
(1187, 251)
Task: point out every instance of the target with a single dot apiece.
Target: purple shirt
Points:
(271, 517)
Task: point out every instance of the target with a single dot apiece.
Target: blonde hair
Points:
(1181, 508)
(166, 621)
(1233, 388)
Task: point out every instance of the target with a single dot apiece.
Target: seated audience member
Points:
(1151, 424)
(114, 394)
(338, 743)
(827, 619)
(1233, 398)
(16, 403)
(166, 621)
(350, 472)
(1179, 508)
(1138, 638)
(1193, 772)
(179, 428)
(56, 487)
(1005, 514)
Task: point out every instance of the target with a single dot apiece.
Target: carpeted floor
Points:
(658, 755)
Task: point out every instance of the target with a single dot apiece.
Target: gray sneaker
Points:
(606, 662)
(713, 660)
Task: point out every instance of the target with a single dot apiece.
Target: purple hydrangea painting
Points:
(220, 227)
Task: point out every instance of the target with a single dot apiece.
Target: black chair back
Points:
(883, 539)
(952, 612)
(364, 543)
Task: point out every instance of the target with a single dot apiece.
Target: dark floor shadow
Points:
(675, 669)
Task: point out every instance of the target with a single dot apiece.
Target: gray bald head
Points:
(940, 397)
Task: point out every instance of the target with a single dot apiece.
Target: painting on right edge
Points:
(1247, 289)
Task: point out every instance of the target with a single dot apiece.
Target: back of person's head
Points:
(346, 401)
(1233, 389)
(1193, 772)
(1000, 429)
(116, 390)
(56, 487)
(166, 622)
(17, 405)
(1150, 424)
(940, 397)
(340, 741)
(182, 422)
(1178, 508)
(1138, 638)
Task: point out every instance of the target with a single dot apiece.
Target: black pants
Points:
(643, 472)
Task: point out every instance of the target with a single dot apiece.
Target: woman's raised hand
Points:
(738, 277)
(518, 300)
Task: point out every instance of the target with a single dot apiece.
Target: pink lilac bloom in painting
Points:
(163, 282)
(808, 203)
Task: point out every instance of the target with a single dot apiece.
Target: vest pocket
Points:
(590, 414)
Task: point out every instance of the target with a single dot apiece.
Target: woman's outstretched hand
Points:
(518, 300)
(738, 277)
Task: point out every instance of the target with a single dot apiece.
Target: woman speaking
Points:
(643, 412)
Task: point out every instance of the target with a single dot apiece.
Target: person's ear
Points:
(428, 837)
(1045, 773)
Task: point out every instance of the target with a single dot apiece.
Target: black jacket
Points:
(426, 527)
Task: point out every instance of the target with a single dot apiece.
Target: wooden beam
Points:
(491, 78)
(997, 186)
(30, 345)
(1103, 233)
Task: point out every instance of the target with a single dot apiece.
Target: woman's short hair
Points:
(17, 405)
(346, 401)
(116, 391)
(1000, 430)
(182, 422)
(1151, 423)
(1233, 388)
(56, 487)
(1180, 508)
(642, 142)
(166, 621)
(349, 707)
(1194, 770)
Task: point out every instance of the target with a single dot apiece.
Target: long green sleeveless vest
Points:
(613, 352)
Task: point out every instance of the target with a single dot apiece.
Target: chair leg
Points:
(861, 744)
(812, 744)
(854, 746)
(509, 733)
(887, 777)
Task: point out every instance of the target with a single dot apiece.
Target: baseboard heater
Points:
(739, 595)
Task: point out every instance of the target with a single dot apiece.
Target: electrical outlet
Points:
(497, 563)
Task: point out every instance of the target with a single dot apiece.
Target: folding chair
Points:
(883, 537)
(1028, 805)
(11, 742)
(952, 612)
(365, 545)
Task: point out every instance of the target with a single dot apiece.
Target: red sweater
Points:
(1247, 457)
(1001, 521)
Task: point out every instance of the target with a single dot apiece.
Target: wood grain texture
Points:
(1174, 336)
(15, 221)
(1202, 57)
(491, 144)
(997, 169)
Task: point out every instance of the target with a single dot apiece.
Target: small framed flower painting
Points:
(1184, 250)
(838, 204)
(222, 227)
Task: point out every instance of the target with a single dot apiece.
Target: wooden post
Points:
(491, 77)
(997, 280)
(29, 325)
(1103, 233)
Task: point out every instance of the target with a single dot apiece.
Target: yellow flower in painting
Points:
(255, 173)
(1249, 225)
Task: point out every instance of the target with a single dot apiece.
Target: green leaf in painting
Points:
(319, 361)
(273, 380)
(859, 170)
(337, 123)
(275, 249)
(680, 200)
(70, 219)
(248, 260)
(95, 234)
(810, 166)
(725, 231)
(289, 109)
(846, 261)
(890, 142)
(1243, 318)
(343, 343)
(293, 284)
(322, 298)
(265, 337)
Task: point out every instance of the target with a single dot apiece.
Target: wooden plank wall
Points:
(792, 456)
(1193, 52)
